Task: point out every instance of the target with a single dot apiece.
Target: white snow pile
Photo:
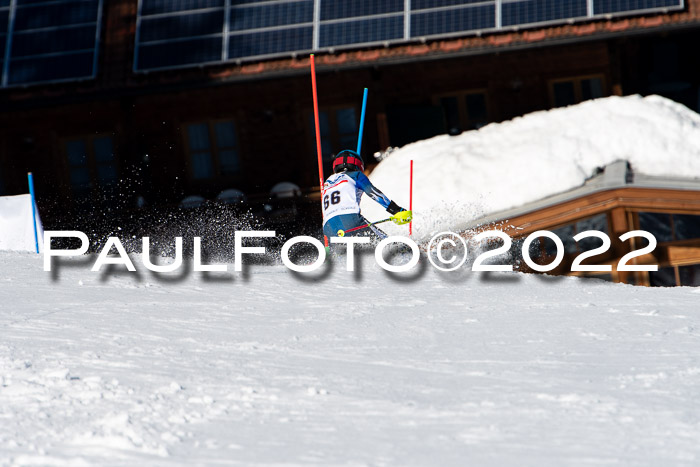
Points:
(504, 165)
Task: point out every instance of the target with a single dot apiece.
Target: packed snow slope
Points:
(504, 165)
(367, 369)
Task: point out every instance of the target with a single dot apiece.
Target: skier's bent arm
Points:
(373, 192)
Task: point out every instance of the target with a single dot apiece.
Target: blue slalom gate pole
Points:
(30, 178)
(362, 121)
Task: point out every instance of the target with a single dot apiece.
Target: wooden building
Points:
(615, 202)
(113, 104)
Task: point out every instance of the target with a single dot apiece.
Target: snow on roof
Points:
(505, 165)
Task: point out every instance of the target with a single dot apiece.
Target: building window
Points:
(213, 149)
(570, 91)
(464, 111)
(690, 275)
(567, 233)
(670, 227)
(338, 131)
(91, 165)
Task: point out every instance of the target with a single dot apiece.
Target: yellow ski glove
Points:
(403, 217)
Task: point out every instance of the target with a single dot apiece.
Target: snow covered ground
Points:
(366, 368)
(504, 165)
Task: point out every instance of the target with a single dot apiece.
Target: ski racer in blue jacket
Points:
(341, 198)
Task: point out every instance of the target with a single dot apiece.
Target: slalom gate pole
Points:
(410, 200)
(30, 180)
(362, 121)
(362, 226)
(319, 152)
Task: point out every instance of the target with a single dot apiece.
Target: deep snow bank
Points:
(500, 166)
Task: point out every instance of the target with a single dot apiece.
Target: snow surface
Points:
(504, 165)
(367, 368)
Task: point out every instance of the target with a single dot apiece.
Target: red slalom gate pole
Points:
(410, 200)
(319, 152)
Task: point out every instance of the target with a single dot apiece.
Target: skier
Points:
(341, 199)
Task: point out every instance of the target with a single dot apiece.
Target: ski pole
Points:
(341, 232)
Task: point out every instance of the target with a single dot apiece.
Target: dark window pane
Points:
(450, 106)
(179, 53)
(476, 107)
(57, 40)
(149, 7)
(616, 6)
(202, 166)
(225, 134)
(51, 68)
(190, 25)
(325, 129)
(659, 225)
(335, 9)
(690, 275)
(80, 179)
(270, 42)
(104, 151)
(271, 15)
(598, 223)
(198, 137)
(664, 277)
(564, 94)
(106, 174)
(229, 162)
(60, 14)
(591, 88)
(361, 31)
(449, 21)
(566, 235)
(347, 124)
(686, 226)
(77, 153)
(537, 11)
(4, 3)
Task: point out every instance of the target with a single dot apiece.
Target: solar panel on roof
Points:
(446, 21)
(154, 7)
(44, 41)
(362, 31)
(270, 42)
(172, 33)
(337, 9)
(541, 11)
(618, 6)
(266, 16)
